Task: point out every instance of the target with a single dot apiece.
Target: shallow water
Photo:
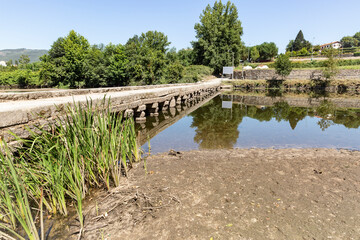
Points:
(226, 122)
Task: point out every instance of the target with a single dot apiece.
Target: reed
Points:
(14, 202)
(87, 147)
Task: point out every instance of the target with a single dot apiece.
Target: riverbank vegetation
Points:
(89, 147)
(72, 62)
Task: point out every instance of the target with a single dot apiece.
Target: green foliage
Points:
(66, 62)
(283, 65)
(356, 54)
(186, 57)
(174, 72)
(14, 201)
(320, 64)
(218, 35)
(147, 57)
(303, 52)
(22, 78)
(24, 60)
(349, 42)
(299, 43)
(254, 53)
(331, 67)
(194, 73)
(116, 65)
(357, 37)
(316, 48)
(267, 51)
(88, 147)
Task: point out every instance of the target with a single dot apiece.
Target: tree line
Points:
(146, 58)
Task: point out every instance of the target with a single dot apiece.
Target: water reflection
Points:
(229, 121)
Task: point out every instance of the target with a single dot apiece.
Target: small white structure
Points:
(3, 63)
(262, 67)
(228, 71)
(247, 68)
(335, 45)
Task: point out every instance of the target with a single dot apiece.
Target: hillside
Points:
(14, 54)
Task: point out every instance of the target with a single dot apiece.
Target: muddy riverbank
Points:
(232, 194)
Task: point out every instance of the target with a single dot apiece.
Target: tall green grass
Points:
(87, 147)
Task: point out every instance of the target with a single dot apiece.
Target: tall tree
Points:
(218, 35)
(299, 43)
(147, 57)
(357, 37)
(66, 62)
(254, 53)
(267, 51)
(116, 62)
(24, 59)
(349, 42)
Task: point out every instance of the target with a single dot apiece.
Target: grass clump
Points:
(88, 147)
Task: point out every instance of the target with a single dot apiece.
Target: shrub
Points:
(356, 54)
(174, 72)
(194, 73)
(23, 78)
(283, 65)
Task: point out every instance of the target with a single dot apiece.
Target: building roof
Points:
(329, 43)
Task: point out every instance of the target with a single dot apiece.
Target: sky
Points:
(36, 24)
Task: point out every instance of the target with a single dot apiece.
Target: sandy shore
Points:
(234, 194)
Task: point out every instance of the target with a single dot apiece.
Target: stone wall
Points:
(295, 101)
(269, 74)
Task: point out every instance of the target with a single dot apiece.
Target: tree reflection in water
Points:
(216, 127)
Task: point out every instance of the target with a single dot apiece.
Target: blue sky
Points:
(37, 24)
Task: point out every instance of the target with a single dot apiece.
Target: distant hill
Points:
(14, 54)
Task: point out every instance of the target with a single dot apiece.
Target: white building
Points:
(335, 45)
(3, 63)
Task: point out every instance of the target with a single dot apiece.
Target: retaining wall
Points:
(269, 74)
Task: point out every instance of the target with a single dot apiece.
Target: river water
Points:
(247, 121)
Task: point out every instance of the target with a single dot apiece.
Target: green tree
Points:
(267, 51)
(116, 63)
(348, 42)
(95, 67)
(283, 65)
(174, 72)
(254, 53)
(218, 35)
(171, 55)
(357, 37)
(147, 57)
(317, 48)
(299, 43)
(9, 63)
(186, 57)
(24, 60)
(289, 47)
(331, 66)
(66, 62)
(303, 52)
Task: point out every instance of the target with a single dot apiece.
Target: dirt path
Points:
(235, 194)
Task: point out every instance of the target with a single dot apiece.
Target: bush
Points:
(283, 65)
(174, 72)
(194, 73)
(23, 78)
(356, 54)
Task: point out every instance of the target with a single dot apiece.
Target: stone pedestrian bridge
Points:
(28, 109)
